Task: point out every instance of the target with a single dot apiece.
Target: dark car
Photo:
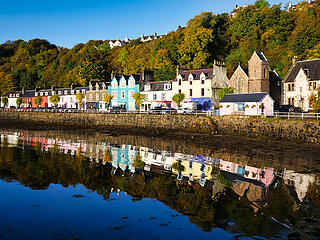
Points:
(116, 110)
(284, 108)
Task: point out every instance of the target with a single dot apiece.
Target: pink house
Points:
(249, 104)
(68, 97)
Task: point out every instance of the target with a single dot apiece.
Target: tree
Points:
(224, 91)
(19, 101)
(4, 101)
(38, 101)
(55, 99)
(107, 98)
(139, 98)
(80, 97)
(314, 100)
(178, 98)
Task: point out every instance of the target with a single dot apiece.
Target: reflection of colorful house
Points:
(196, 168)
(123, 157)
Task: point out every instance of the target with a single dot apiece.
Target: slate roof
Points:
(29, 93)
(196, 73)
(312, 65)
(274, 78)
(158, 86)
(244, 97)
(262, 57)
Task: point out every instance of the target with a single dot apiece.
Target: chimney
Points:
(177, 72)
(294, 60)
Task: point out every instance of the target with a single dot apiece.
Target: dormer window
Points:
(10, 95)
(59, 92)
(46, 93)
(147, 87)
(72, 91)
(131, 83)
(83, 91)
(65, 92)
(41, 93)
(103, 86)
(114, 84)
(190, 77)
(202, 78)
(90, 87)
(122, 83)
(97, 86)
(167, 86)
(307, 72)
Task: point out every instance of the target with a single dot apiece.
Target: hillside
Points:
(276, 31)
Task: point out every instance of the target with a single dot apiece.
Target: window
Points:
(97, 97)
(66, 92)
(115, 95)
(131, 83)
(190, 92)
(83, 91)
(122, 94)
(179, 91)
(46, 93)
(190, 77)
(163, 96)
(90, 87)
(240, 106)
(190, 82)
(202, 92)
(59, 92)
(167, 86)
(154, 97)
(307, 72)
(131, 93)
(266, 70)
(41, 93)
(147, 87)
(179, 82)
(146, 97)
(72, 91)
(114, 84)
(202, 80)
(122, 83)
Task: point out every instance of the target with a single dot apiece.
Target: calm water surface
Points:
(55, 185)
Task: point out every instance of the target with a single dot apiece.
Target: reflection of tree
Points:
(178, 166)
(138, 163)
(39, 169)
(107, 156)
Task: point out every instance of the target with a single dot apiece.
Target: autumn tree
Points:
(314, 100)
(178, 98)
(55, 99)
(19, 101)
(107, 98)
(38, 101)
(4, 101)
(80, 97)
(224, 91)
(139, 98)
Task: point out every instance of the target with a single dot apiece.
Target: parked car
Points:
(169, 111)
(284, 108)
(26, 109)
(156, 110)
(184, 110)
(116, 110)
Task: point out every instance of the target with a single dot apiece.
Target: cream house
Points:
(302, 79)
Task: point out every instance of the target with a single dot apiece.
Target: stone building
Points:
(96, 93)
(302, 79)
(257, 78)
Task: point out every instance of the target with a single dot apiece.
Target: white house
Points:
(118, 43)
(157, 94)
(253, 104)
(302, 79)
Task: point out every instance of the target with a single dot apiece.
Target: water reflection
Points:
(213, 193)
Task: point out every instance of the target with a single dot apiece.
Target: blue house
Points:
(123, 87)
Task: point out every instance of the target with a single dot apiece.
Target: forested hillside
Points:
(279, 33)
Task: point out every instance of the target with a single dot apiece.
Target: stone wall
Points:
(302, 131)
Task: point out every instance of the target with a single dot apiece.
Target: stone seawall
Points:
(302, 131)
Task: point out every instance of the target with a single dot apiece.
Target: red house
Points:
(44, 94)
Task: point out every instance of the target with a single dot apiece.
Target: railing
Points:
(295, 115)
(280, 115)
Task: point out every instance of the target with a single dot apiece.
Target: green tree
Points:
(314, 100)
(55, 99)
(224, 91)
(178, 98)
(139, 98)
(19, 101)
(107, 98)
(4, 101)
(80, 97)
(38, 101)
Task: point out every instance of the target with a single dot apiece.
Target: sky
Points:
(69, 22)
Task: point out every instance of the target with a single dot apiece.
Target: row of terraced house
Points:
(257, 89)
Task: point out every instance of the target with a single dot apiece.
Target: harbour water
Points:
(61, 185)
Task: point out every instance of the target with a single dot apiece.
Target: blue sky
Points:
(68, 22)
